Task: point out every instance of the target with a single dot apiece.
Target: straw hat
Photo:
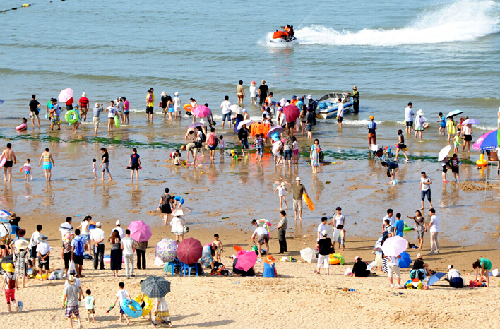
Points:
(8, 267)
(71, 279)
(420, 112)
(263, 81)
(21, 244)
(298, 178)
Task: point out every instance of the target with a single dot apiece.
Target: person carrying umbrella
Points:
(158, 287)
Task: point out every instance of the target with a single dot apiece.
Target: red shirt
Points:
(69, 101)
(84, 102)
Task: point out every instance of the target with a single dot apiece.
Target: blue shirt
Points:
(371, 127)
(75, 241)
(399, 225)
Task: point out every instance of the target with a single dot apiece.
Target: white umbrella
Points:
(394, 246)
(444, 152)
(235, 108)
(453, 113)
(309, 255)
(244, 122)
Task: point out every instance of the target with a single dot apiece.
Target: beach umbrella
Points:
(194, 125)
(435, 278)
(405, 260)
(471, 122)
(276, 129)
(309, 255)
(189, 251)
(444, 152)
(155, 287)
(488, 141)
(166, 250)
(140, 231)
(453, 113)
(65, 95)
(4, 214)
(244, 122)
(246, 261)
(235, 108)
(394, 246)
(292, 112)
(201, 111)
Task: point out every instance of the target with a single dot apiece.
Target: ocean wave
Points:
(463, 20)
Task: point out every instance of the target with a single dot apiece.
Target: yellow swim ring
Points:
(148, 303)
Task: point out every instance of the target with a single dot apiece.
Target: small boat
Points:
(282, 43)
(327, 106)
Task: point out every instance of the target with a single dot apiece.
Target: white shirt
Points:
(260, 231)
(121, 231)
(434, 224)
(281, 190)
(253, 91)
(122, 294)
(65, 228)
(425, 187)
(43, 248)
(339, 220)
(393, 260)
(111, 112)
(177, 102)
(225, 107)
(34, 239)
(467, 130)
(98, 234)
(340, 111)
(321, 228)
(453, 273)
(408, 114)
(392, 220)
(128, 244)
(85, 227)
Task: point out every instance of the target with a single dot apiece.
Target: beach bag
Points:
(203, 137)
(79, 249)
(72, 268)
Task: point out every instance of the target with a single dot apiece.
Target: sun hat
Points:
(354, 88)
(298, 178)
(176, 93)
(98, 224)
(21, 244)
(178, 212)
(8, 267)
(420, 112)
(269, 260)
(43, 237)
(253, 82)
(371, 117)
(263, 81)
(71, 279)
(84, 95)
(419, 255)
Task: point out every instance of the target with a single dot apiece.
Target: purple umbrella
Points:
(166, 250)
(489, 141)
(201, 111)
(140, 231)
(276, 129)
(471, 122)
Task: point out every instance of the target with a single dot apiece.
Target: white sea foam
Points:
(463, 20)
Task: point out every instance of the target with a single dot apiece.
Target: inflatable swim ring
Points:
(44, 276)
(179, 199)
(188, 107)
(407, 228)
(2, 162)
(336, 259)
(71, 117)
(131, 308)
(22, 126)
(481, 162)
(148, 304)
(117, 121)
(308, 201)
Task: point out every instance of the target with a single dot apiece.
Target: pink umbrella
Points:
(65, 95)
(201, 111)
(246, 261)
(140, 231)
(292, 112)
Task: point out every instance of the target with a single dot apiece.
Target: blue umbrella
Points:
(405, 260)
(490, 141)
(435, 278)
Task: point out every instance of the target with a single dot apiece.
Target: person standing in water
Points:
(240, 92)
(409, 117)
(372, 135)
(34, 110)
(150, 103)
(10, 160)
(105, 164)
(134, 164)
(48, 163)
(355, 99)
(401, 146)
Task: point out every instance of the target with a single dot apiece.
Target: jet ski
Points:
(327, 106)
(284, 38)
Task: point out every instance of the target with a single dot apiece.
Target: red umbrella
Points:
(189, 251)
(292, 112)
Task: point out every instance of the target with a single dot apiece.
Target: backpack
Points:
(11, 282)
(211, 140)
(203, 137)
(79, 248)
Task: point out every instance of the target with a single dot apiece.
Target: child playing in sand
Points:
(456, 142)
(282, 194)
(93, 168)
(121, 295)
(222, 145)
(27, 169)
(89, 306)
(218, 247)
(176, 158)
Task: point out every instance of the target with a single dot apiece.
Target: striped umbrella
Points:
(155, 287)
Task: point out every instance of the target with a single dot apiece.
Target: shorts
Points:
(190, 146)
(69, 107)
(260, 151)
(393, 270)
(134, 166)
(149, 110)
(212, 147)
(105, 167)
(84, 110)
(72, 310)
(402, 147)
(27, 172)
(421, 128)
(467, 138)
(67, 259)
(96, 121)
(428, 193)
(443, 125)
(78, 259)
(34, 114)
(253, 99)
(91, 311)
(165, 209)
(340, 119)
(264, 238)
(126, 112)
(33, 252)
(244, 144)
(226, 116)
(44, 264)
(8, 164)
(297, 205)
(454, 170)
(171, 110)
(290, 125)
(86, 237)
(288, 154)
(10, 295)
(445, 169)
(308, 127)
(55, 120)
(47, 165)
(409, 123)
(420, 234)
(295, 152)
(121, 310)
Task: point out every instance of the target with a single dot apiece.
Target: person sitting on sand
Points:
(420, 269)
(454, 278)
(485, 266)
(360, 269)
